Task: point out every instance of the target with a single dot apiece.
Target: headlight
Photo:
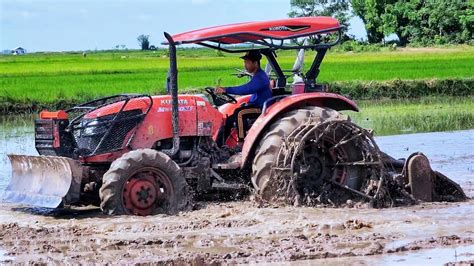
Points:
(96, 126)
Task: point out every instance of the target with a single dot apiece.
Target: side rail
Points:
(98, 103)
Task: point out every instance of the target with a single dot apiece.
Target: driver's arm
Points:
(251, 87)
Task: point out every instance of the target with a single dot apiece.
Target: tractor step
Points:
(233, 163)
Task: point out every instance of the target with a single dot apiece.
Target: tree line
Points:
(421, 22)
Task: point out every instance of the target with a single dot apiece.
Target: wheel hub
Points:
(312, 168)
(146, 191)
(140, 194)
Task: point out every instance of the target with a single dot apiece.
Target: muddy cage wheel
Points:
(309, 149)
(143, 182)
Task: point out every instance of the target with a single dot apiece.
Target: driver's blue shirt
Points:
(258, 86)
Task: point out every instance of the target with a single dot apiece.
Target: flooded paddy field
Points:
(242, 232)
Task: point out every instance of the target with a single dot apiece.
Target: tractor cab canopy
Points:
(268, 36)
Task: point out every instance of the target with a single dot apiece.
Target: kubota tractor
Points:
(140, 154)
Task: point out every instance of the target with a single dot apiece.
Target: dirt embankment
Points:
(236, 232)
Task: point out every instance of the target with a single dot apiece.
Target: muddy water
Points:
(241, 232)
(16, 137)
(451, 153)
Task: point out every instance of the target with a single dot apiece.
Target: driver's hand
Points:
(220, 90)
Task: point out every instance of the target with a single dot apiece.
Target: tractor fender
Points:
(291, 102)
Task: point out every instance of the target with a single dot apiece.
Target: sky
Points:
(75, 25)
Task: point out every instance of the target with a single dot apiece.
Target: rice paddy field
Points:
(430, 114)
(44, 79)
(398, 92)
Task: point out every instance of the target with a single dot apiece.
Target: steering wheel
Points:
(220, 99)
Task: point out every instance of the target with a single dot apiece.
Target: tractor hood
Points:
(142, 104)
(113, 108)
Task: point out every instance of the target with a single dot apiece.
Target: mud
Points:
(235, 232)
(242, 232)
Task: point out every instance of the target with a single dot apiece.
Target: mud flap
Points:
(43, 181)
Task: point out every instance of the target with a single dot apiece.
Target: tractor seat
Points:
(279, 91)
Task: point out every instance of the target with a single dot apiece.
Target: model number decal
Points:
(180, 109)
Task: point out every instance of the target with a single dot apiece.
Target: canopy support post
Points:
(313, 72)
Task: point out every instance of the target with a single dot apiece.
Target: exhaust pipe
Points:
(173, 89)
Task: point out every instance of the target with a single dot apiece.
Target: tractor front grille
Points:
(52, 139)
(104, 134)
(44, 137)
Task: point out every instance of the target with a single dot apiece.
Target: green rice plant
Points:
(388, 117)
(47, 78)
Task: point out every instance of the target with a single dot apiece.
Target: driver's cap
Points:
(253, 55)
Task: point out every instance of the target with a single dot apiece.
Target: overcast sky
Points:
(72, 25)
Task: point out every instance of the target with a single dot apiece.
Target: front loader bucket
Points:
(43, 181)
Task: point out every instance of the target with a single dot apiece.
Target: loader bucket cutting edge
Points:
(43, 181)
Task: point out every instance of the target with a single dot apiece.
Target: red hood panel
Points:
(133, 104)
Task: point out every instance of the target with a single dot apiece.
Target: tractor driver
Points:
(258, 86)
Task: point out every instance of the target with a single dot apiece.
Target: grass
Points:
(402, 91)
(48, 78)
(385, 117)
(391, 117)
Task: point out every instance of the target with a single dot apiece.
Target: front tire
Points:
(143, 182)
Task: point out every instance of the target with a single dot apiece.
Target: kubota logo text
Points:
(169, 101)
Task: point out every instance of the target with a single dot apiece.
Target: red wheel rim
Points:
(147, 190)
(340, 174)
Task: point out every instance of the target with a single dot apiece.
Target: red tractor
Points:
(140, 154)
